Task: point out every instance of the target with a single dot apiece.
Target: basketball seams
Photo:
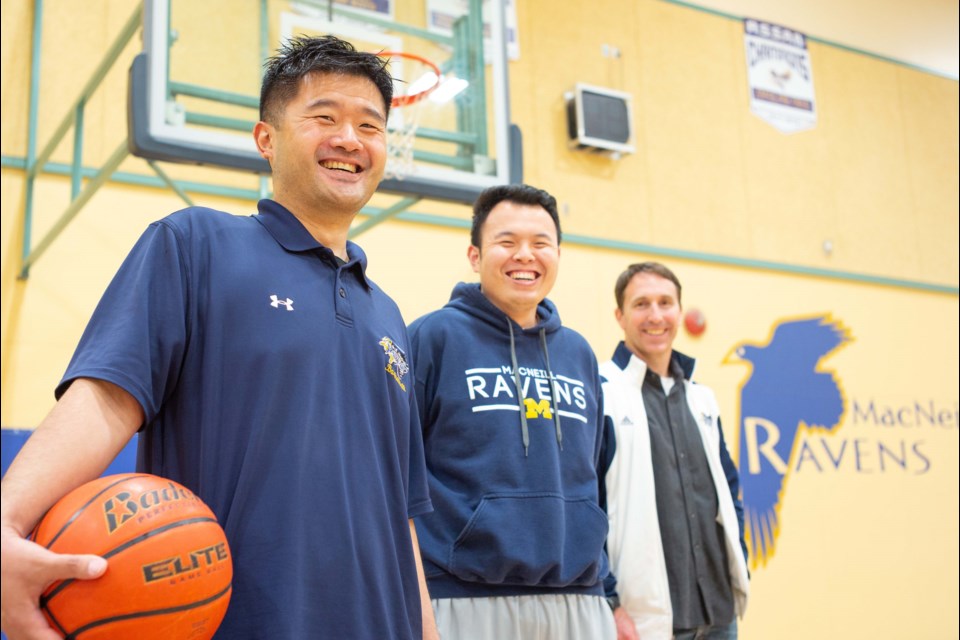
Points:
(76, 514)
(47, 597)
(155, 612)
(53, 619)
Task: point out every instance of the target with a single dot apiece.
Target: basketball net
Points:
(400, 140)
(407, 107)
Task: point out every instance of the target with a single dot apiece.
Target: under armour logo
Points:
(275, 302)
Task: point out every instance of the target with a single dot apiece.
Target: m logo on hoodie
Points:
(535, 408)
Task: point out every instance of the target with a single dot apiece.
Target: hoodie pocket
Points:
(531, 539)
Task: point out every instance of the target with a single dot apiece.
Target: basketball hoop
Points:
(402, 135)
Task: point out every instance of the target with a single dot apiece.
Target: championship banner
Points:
(780, 76)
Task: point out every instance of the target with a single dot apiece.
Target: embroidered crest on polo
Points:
(397, 365)
(276, 302)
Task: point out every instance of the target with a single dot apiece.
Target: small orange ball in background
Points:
(695, 322)
(169, 568)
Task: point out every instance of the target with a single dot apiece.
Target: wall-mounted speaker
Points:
(600, 120)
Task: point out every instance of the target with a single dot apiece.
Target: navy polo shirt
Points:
(276, 385)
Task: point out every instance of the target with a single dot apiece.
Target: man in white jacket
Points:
(676, 520)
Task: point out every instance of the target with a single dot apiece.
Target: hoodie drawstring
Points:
(516, 379)
(553, 389)
(525, 430)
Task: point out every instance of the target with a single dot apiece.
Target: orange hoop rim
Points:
(403, 101)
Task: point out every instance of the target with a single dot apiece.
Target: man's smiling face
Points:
(328, 150)
(649, 318)
(518, 259)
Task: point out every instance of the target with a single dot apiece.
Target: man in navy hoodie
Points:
(510, 402)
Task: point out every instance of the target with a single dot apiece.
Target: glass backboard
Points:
(194, 90)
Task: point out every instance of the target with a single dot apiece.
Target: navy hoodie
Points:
(514, 490)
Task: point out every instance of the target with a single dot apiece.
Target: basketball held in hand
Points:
(169, 568)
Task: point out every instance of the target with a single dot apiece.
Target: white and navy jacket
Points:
(633, 545)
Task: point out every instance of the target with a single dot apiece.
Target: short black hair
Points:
(643, 267)
(303, 55)
(518, 193)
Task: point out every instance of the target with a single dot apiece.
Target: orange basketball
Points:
(169, 568)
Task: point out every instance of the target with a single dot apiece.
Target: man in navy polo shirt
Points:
(266, 373)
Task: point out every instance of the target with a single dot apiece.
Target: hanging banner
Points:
(780, 76)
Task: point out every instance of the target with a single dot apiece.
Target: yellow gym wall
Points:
(867, 543)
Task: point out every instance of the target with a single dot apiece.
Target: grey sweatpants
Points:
(540, 617)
